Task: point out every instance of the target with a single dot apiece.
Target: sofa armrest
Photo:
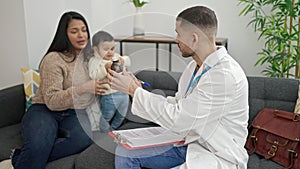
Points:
(12, 105)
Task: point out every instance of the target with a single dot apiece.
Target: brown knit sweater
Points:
(58, 79)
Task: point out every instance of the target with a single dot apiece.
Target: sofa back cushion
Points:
(12, 105)
(267, 92)
(264, 92)
(162, 82)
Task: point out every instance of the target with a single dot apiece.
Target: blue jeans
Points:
(50, 135)
(114, 108)
(161, 157)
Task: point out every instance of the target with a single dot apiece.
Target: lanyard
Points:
(193, 80)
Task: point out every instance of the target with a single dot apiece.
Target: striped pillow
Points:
(31, 82)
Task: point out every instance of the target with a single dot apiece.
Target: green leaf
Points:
(248, 8)
(271, 18)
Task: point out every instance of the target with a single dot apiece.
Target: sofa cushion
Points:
(162, 83)
(95, 157)
(65, 163)
(12, 104)
(130, 117)
(258, 162)
(267, 92)
(11, 138)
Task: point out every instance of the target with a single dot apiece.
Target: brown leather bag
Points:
(275, 134)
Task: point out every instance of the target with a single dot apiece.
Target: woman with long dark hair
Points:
(56, 124)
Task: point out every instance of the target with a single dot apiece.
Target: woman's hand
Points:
(126, 82)
(99, 87)
(92, 86)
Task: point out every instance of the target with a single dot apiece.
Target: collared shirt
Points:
(213, 116)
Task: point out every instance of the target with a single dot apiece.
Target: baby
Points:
(114, 104)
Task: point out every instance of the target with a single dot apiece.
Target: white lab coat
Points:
(212, 116)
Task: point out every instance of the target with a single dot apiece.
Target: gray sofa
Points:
(263, 92)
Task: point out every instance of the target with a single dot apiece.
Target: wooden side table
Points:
(157, 40)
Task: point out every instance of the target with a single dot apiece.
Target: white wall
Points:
(159, 18)
(13, 47)
(42, 18)
(29, 28)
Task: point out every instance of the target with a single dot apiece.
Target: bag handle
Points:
(289, 116)
(253, 141)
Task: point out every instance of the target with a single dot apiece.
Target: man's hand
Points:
(121, 60)
(126, 82)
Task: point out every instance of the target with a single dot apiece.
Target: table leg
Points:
(170, 57)
(121, 48)
(157, 61)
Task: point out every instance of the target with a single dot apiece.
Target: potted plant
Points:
(138, 22)
(277, 22)
(139, 3)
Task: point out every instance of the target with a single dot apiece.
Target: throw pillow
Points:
(297, 107)
(31, 82)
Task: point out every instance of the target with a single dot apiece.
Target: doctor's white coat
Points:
(212, 115)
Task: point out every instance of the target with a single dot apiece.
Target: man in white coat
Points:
(210, 108)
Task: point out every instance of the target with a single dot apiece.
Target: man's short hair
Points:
(200, 16)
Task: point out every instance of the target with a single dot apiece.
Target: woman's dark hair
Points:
(61, 42)
(101, 36)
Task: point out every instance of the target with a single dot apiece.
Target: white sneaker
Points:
(6, 164)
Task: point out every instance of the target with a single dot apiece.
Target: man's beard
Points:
(187, 54)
